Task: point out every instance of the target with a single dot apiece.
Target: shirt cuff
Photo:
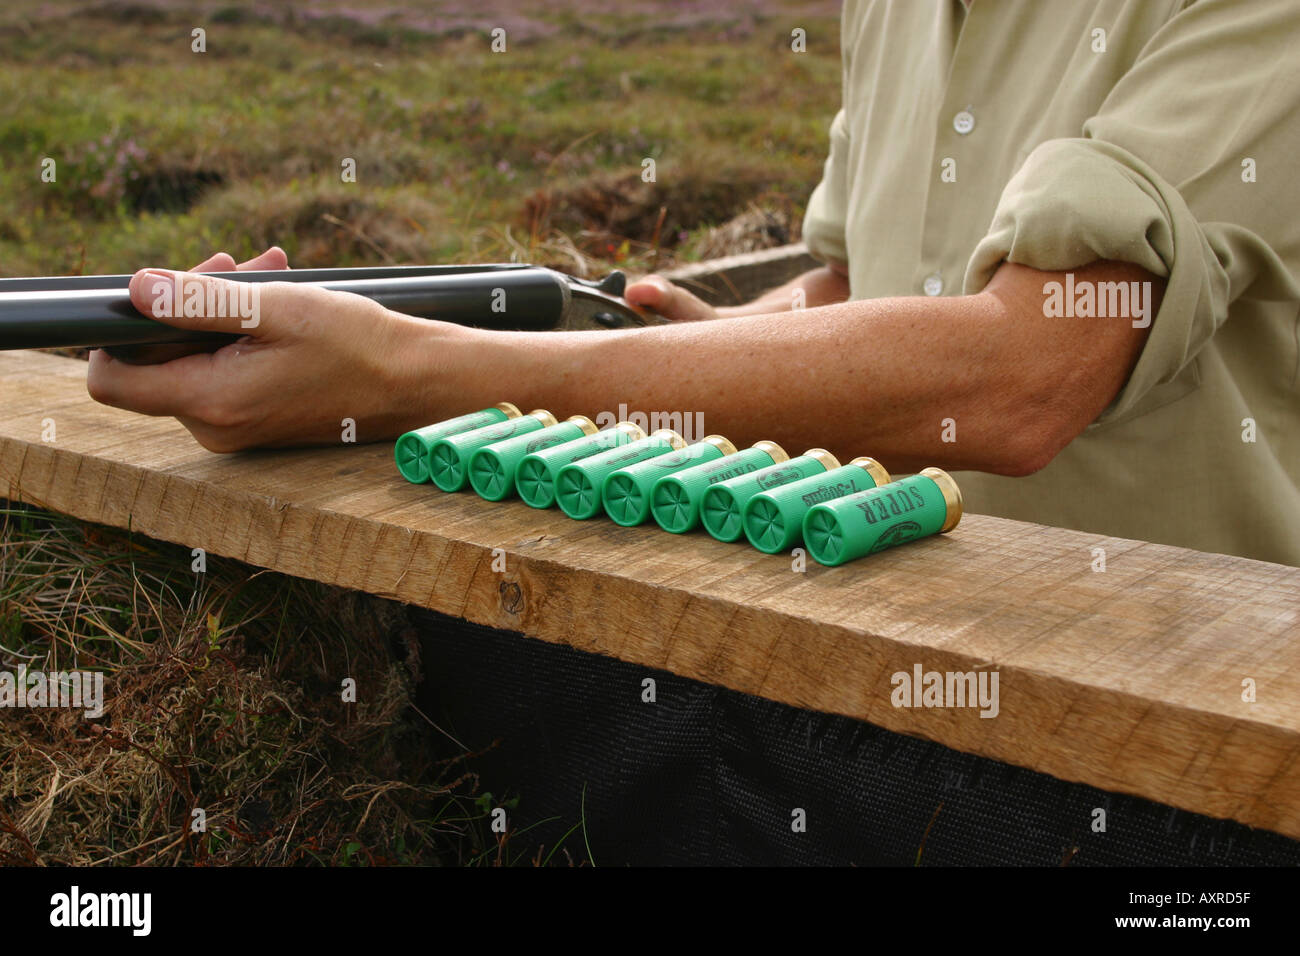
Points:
(826, 218)
(823, 232)
(1076, 201)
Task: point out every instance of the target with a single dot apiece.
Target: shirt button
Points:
(933, 284)
(963, 122)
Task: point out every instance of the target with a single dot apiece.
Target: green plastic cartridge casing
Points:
(626, 492)
(492, 467)
(535, 476)
(675, 499)
(879, 518)
(578, 485)
(722, 508)
(774, 518)
(449, 457)
(412, 449)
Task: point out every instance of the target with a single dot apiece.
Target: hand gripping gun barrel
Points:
(96, 311)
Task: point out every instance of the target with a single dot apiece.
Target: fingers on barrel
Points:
(192, 300)
(181, 387)
(272, 259)
(221, 262)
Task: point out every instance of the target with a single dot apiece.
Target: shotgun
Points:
(96, 311)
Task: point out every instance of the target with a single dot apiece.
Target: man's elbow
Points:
(1064, 375)
(1029, 441)
(1027, 456)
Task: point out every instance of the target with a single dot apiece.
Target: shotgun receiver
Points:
(96, 311)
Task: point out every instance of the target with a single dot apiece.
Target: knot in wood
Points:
(512, 597)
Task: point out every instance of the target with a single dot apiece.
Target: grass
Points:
(222, 694)
(164, 155)
(225, 685)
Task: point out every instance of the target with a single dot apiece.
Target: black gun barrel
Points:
(70, 283)
(79, 312)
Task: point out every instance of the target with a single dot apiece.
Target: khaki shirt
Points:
(1164, 133)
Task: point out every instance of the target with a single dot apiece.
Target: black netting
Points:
(711, 776)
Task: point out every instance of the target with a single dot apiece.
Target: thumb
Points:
(671, 301)
(189, 300)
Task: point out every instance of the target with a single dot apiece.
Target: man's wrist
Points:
(428, 371)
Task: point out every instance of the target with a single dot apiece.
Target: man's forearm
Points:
(984, 381)
(825, 285)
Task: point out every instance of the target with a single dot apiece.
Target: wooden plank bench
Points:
(1129, 680)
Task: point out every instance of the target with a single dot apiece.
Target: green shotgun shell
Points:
(879, 518)
(774, 519)
(578, 485)
(675, 500)
(626, 492)
(412, 449)
(449, 457)
(492, 467)
(535, 476)
(722, 509)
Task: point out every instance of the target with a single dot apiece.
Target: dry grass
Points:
(222, 693)
(332, 223)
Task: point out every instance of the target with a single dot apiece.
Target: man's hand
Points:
(669, 300)
(824, 285)
(314, 359)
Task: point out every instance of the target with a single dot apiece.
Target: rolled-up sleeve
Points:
(824, 221)
(1185, 170)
